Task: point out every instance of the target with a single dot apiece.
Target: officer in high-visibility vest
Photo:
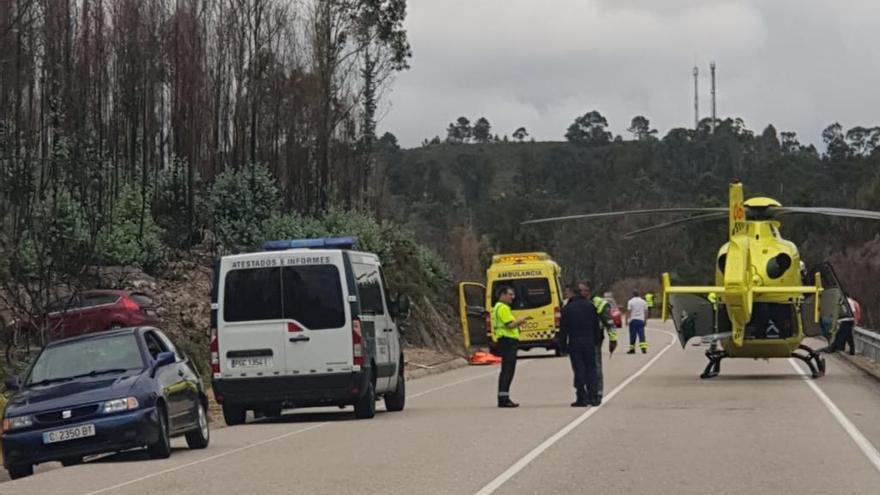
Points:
(505, 332)
(603, 309)
(649, 299)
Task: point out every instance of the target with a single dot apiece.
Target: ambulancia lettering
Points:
(520, 274)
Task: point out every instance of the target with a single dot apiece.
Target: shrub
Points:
(240, 203)
(131, 237)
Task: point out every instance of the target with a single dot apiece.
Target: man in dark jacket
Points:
(579, 336)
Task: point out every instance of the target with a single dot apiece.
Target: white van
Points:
(305, 323)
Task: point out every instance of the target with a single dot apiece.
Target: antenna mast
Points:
(712, 68)
(696, 99)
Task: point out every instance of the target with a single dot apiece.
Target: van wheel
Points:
(365, 407)
(17, 471)
(162, 448)
(234, 414)
(199, 438)
(71, 461)
(396, 400)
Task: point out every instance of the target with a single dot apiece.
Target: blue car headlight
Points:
(117, 405)
(17, 422)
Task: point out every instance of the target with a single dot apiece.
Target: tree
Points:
(459, 131)
(790, 143)
(641, 129)
(520, 134)
(863, 140)
(836, 147)
(482, 131)
(590, 129)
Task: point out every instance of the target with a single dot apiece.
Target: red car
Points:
(96, 310)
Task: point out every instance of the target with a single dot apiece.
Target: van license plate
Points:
(251, 362)
(66, 434)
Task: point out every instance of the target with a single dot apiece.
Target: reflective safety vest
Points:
(714, 300)
(499, 329)
(649, 298)
(600, 304)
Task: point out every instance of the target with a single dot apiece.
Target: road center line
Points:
(863, 443)
(273, 439)
(537, 451)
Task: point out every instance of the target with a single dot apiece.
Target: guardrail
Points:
(867, 343)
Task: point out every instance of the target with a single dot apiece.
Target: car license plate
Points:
(71, 433)
(251, 362)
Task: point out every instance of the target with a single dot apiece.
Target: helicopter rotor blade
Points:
(698, 218)
(629, 212)
(832, 212)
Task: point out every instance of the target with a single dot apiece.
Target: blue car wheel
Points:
(162, 448)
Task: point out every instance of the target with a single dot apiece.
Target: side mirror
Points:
(163, 359)
(13, 384)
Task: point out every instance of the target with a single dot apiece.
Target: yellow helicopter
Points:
(762, 304)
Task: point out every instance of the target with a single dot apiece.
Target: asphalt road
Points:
(760, 427)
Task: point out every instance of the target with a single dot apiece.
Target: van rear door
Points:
(317, 323)
(251, 334)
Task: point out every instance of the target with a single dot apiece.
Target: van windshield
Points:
(531, 293)
(309, 294)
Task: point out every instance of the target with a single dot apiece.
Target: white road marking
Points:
(206, 459)
(863, 443)
(273, 439)
(537, 451)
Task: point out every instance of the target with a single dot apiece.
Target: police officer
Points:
(579, 336)
(649, 300)
(505, 332)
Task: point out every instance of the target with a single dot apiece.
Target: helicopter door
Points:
(472, 311)
(833, 305)
(693, 316)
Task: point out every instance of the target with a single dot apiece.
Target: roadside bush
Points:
(170, 204)
(131, 237)
(240, 204)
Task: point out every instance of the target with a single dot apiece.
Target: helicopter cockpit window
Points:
(778, 265)
(771, 321)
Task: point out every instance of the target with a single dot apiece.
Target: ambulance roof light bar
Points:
(318, 243)
(519, 257)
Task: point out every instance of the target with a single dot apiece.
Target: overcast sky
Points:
(798, 64)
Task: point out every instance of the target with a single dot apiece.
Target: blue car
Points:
(103, 392)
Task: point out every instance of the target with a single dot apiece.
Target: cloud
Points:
(798, 64)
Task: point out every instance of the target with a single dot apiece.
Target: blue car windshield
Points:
(87, 356)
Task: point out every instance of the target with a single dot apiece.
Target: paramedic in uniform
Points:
(505, 332)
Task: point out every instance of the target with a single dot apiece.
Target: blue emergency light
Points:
(319, 243)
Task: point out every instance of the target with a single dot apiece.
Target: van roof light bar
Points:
(318, 243)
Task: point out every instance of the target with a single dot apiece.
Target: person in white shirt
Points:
(636, 311)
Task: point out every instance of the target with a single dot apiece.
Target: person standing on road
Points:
(579, 336)
(505, 332)
(603, 310)
(649, 300)
(636, 309)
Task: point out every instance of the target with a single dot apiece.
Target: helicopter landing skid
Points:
(714, 367)
(813, 359)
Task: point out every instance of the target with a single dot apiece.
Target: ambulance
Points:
(537, 281)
